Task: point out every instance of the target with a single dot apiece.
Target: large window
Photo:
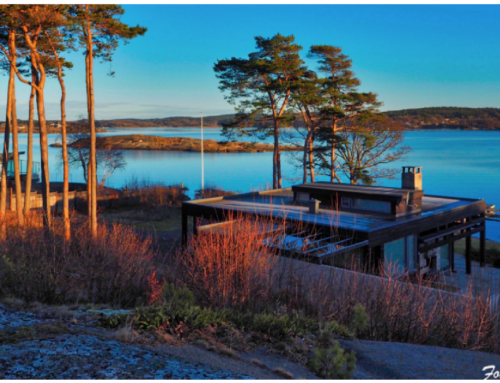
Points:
(370, 205)
(444, 256)
(399, 255)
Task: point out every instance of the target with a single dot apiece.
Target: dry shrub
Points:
(154, 193)
(230, 267)
(39, 265)
(211, 191)
(403, 310)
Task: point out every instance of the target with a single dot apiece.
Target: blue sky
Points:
(411, 55)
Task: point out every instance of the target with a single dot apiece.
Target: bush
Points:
(230, 268)
(211, 191)
(154, 194)
(334, 328)
(182, 297)
(333, 363)
(39, 265)
(360, 323)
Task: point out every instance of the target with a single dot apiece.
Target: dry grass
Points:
(126, 334)
(258, 363)
(283, 373)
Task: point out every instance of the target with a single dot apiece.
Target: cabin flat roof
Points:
(279, 203)
(365, 189)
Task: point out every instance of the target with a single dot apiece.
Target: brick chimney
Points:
(411, 178)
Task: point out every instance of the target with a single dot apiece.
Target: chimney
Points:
(411, 177)
(313, 206)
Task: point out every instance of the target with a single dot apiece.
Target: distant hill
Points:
(174, 122)
(421, 118)
(448, 118)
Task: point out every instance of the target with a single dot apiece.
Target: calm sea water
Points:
(454, 163)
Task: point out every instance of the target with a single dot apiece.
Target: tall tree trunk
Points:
(279, 168)
(304, 159)
(15, 153)
(29, 165)
(67, 227)
(92, 152)
(15, 136)
(275, 162)
(44, 148)
(311, 154)
(333, 154)
(89, 191)
(5, 155)
(276, 157)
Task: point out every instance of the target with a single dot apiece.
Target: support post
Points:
(184, 228)
(452, 256)
(482, 246)
(195, 228)
(468, 266)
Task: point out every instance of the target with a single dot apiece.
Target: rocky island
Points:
(184, 144)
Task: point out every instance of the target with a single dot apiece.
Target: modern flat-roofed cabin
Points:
(367, 226)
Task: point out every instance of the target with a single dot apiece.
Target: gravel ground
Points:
(10, 319)
(88, 357)
(82, 356)
(67, 353)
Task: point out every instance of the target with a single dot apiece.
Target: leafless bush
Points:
(211, 191)
(39, 265)
(230, 267)
(401, 310)
(154, 193)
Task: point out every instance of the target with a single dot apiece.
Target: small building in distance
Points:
(368, 227)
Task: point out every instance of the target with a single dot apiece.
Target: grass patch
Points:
(492, 251)
(162, 218)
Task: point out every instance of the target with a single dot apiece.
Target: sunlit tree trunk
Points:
(31, 126)
(67, 227)
(15, 155)
(5, 154)
(333, 154)
(276, 158)
(44, 147)
(310, 142)
(92, 152)
(13, 121)
(304, 160)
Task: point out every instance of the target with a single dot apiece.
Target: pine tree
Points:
(261, 86)
(339, 89)
(99, 31)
